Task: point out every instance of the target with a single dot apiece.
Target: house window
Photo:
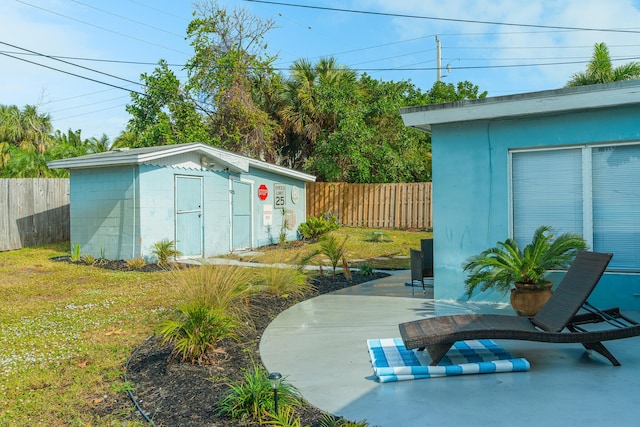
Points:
(591, 190)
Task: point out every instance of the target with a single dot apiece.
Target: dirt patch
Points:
(171, 393)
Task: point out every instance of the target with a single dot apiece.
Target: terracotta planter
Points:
(527, 299)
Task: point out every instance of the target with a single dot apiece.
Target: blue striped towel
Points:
(391, 361)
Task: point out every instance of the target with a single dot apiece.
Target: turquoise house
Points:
(568, 158)
(209, 201)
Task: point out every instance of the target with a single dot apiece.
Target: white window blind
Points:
(616, 204)
(547, 189)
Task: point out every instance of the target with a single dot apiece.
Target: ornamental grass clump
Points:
(213, 308)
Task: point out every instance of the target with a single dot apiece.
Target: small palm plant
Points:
(332, 249)
(164, 250)
(505, 264)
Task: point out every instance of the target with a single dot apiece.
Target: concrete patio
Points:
(320, 347)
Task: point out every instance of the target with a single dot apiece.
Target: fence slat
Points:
(33, 212)
(398, 205)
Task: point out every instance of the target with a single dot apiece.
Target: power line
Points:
(433, 18)
(128, 19)
(112, 61)
(100, 27)
(73, 74)
(70, 63)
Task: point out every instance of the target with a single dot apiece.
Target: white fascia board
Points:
(546, 102)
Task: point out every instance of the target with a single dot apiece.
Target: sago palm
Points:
(501, 266)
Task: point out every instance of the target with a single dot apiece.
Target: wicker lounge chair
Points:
(557, 321)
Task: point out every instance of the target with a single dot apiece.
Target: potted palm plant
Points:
(506, 267)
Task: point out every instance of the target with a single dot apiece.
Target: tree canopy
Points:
(320, 117)
(601, 70)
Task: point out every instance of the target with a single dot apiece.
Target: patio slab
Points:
(320, 346)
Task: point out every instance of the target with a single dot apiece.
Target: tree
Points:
(24, 129)
(230, 56)
(600, 69)
(302, 116)
(164, 115)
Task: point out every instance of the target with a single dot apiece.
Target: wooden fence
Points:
(404, 206)
(33, 212)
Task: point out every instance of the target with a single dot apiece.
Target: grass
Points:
(68, 329)
(391, 253)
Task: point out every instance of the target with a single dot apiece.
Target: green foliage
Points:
(365, 269)
(501, 266)
(332, 249)
(75, 252)
(283, 228)
(89, 259)
(378, 237)
(195, 331)
(164, 250)
(331, 421)
(252, 399)
(283, 281)
(316, 227)
(286, 417)
(601, 70)
(222, 288)
(136, 263)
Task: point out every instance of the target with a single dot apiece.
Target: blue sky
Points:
(502, 59)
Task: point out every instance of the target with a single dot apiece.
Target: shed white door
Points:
(241, 215)
(189, 215)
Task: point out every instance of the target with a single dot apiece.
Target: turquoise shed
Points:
(208, 200)
(567, 158)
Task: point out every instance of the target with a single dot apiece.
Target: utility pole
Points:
(438, 61)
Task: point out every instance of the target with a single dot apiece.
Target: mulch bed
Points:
(171, 393)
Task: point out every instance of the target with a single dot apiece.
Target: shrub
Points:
(284, 281)
(195, 331)
(286, 417)
(163, 250)
(136, 263)
(315, 227)
(252, 399)
(222, 288)
(75, 252)
(332, 249)
(365, 269)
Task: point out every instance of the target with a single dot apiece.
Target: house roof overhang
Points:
(533, 103)
(120, 157)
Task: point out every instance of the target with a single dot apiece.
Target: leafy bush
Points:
(195, 331)
(163, 250)
(252, 399)
(365, 269)
(315, 227)
(332, 249)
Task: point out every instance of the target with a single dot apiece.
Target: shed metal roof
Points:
(119, 157)
(544, 102)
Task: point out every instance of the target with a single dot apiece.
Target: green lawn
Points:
(68, 329)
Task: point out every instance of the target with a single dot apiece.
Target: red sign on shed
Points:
(263, 192)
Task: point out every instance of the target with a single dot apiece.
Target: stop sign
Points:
(263, 192)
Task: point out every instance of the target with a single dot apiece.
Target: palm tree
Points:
(99, 145)
(600, 69)
(302, 115)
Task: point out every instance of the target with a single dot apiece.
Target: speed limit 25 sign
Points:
(279, 195)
